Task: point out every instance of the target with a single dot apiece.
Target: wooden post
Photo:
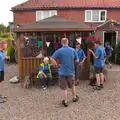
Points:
(88, 62)
(42, 36)
(19, 38)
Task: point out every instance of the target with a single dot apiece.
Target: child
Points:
(44, 73)
(108, 50)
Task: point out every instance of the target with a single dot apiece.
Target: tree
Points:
(4, 29)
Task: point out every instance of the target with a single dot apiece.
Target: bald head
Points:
(64, 41)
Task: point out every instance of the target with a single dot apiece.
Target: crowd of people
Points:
(69, 58)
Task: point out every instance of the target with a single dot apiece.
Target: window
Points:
(88, 15)
(95, 15)
(40, 15)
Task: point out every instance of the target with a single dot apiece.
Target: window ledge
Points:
(94, 21)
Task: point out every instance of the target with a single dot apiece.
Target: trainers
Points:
(97, 88)
(2, 100)
(110, 66)
(3, 97)
(64, 103)
(76, 99)
(44, 88)
(101, 85)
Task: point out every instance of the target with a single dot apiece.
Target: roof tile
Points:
(54, 4)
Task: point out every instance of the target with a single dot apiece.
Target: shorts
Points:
(66, 82)
(99, 70)
(1, 76)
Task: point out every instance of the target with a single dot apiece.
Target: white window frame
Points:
(92, 16)
(50, 12)
(116, 37)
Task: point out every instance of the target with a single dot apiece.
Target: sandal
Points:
(101, 85)
(97, 88)
(3, 97)
(64, 103)
(76, 99)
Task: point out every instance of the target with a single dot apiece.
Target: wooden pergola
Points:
(52, 25)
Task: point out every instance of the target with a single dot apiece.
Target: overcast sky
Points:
(5, 7)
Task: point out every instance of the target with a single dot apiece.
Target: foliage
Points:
(6, 36)
(10, 50)
(4, 29)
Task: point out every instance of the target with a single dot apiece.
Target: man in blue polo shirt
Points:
(82, 57)
(67, 57)
(2, 68)
(99, 64)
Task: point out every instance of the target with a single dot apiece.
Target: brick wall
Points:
(30, 16)
(24, 17)
(77, 15)
(114, 14)
(99, 32)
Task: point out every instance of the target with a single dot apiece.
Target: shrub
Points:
(118, 53)
(10, 50)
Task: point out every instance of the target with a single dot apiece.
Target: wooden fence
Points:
(28, 64)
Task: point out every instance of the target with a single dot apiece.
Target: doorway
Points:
(111, 37)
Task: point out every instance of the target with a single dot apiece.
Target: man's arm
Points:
(96, 57)
(53, 61)
(54, 56)
(76, 59)
(84, 58)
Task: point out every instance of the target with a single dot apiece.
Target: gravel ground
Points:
(38, 104)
